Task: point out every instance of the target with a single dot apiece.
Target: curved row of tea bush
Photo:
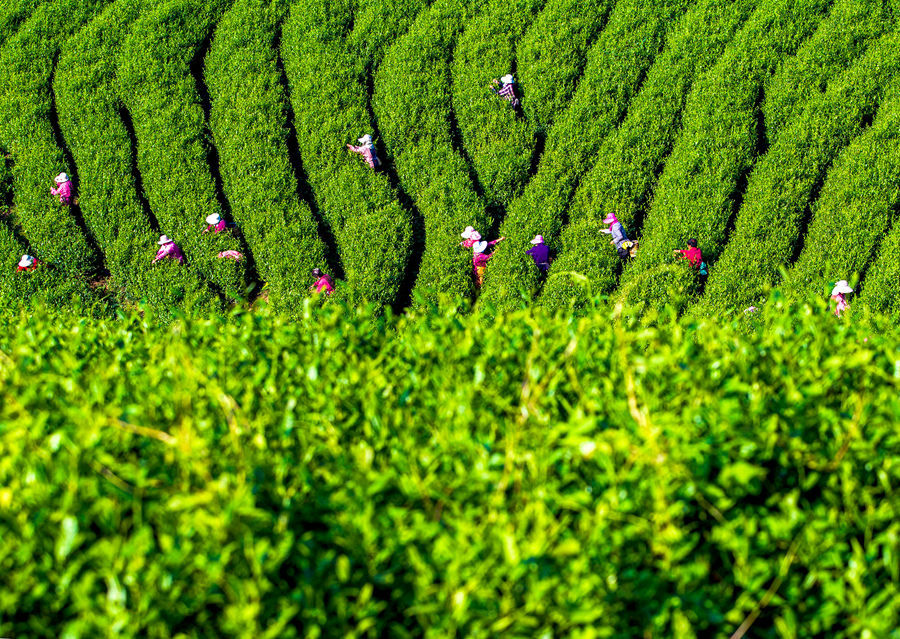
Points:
(13, 14)
(552, 55)
(617, 63)
(372, 231)
(498, 141)
(779, 192)
(412, 102)
(27, 65)
(247, 116)
(880, 291)
(253, 477)
(157, 87)
(89, 104)
(855, 209)
(698, 190)
(837, 43)
(624, 175)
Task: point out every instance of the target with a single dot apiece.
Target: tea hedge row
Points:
(617, 62)
(173, 148)
(499, 142)
(412, 102)
(373, 233)
(779, 192)
(27, 65)
(855, 210)
(553, 477)
(880, 293)
(840, 39)
(13, 14)
(716, 147)
(247, 117)
(551, 57)
(89, 106)
(630, 159)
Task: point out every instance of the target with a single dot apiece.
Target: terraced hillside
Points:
(766, 130)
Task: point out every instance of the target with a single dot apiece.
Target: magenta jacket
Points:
(169, 250)
(64, 192)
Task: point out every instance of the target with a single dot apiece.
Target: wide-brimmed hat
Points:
(164, 240)
(26, 261)
(479, 247)
(507, 79)
(366, 139)
(538, 239)
(467, 234)
(62, 177)
(610, 219)
(841, 287)
(213, 218)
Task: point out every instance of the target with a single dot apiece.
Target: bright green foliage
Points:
(328, 80)
(769, 224)
(89, 118)
(413, 104)
(624, 175)
(161, 95)
(856, 208)
(247, 119)
(322, 477)
(697, 191)
(551, 57)
(499, 143)
(13, 13)
(26, 107)
(377, 24)
(839, 40)
(617, 63)
(881, 290)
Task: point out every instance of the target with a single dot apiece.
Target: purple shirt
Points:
(217, 228)
(480, 259)
(541, 256)
(169, 250)
(368, 153)
(64, 191)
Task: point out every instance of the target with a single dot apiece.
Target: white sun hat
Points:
(164, 240)
(475, 236)
(538, 239)
(62, 177)
(841, 287)
(479, 247)
(366, 139)
(26, 261)
(213, 218)
(507, 79)
(467, 234)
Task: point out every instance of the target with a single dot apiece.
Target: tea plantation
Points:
(205, 448)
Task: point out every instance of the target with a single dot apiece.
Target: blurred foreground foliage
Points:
(353, 474)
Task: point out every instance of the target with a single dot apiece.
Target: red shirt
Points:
(693, 255)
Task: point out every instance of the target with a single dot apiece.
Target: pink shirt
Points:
(217, 228)
(169, 250)
(480, 259)
(842, 304)
(324, 283)
(368, 153)
(64, 191)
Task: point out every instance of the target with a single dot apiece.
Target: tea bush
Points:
(628, 162)
(412, 102)
(880, 293)
(13, 15)
(247, 119)
(856, 208)
(328, 77)
(173, 146)
(551, 477)
(716, 147)
(551, 57)
(841, 37)
(99, 141)
(499, 143)
(768, 226)
(27, 64)
(621, 57)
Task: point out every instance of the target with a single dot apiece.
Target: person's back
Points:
(692, 254)
(540, 253)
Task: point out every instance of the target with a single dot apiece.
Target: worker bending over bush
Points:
(367, 150)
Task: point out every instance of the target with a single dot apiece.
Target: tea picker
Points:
(694, 256)
(27, 263)
(168, 249)
(215, 223)
(540, 253)
(367, 150)
(63, 189)
(624, 247)
(505, 88)
(837, 294)
(471, 237)
(480, 259)
(323, 282)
